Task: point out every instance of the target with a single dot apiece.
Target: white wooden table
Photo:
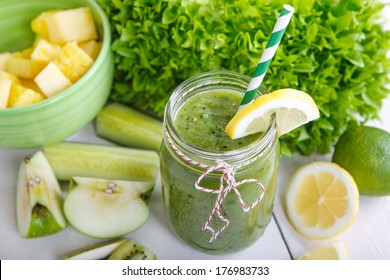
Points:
(367, 238)
(155, 234)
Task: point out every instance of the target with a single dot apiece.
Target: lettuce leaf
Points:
(333, 50)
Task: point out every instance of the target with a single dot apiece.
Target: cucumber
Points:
(69, 159)
(128, 127)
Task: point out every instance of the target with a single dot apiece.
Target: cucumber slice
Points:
(100, 251)
(38, 199)
(107, 208)
(70, 159)
(128, 127)
(131, 251)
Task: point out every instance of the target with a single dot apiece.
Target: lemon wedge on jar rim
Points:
(292, 108)
(321, 200)
(337, 251)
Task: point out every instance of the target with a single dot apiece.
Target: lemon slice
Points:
(322, 200)
(291, 107)
(336, 251)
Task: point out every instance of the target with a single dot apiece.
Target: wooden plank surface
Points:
(155, 234)
(367, 238)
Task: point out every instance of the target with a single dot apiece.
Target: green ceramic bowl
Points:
(54, 119)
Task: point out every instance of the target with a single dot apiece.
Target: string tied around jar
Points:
(227, 183)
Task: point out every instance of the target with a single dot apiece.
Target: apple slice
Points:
(39, 199)
(105, 208)
(100, 251)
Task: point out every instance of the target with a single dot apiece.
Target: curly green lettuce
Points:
(333, 50)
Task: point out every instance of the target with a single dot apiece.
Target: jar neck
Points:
(200, 83)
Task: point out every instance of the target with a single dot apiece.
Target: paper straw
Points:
(268, 54)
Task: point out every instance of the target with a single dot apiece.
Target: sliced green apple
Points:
(100, 251)
(107, 208)
(39, 198)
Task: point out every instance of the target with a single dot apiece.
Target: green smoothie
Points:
(200, 122)
(202, 119)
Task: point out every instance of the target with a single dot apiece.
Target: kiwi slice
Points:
(129, 250)
(126, 126)
(38, 198)
(106, 208)
(99, 251)
(70, 159)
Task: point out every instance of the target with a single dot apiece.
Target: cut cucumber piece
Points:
(70, 159)
(107, 208)
(38, 199)
(131, 251)
(128, 127)
(100, 251)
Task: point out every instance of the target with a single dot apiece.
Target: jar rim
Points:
(221, 77)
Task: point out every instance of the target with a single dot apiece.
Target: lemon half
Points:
(322, 200)
(292, 108)
(337, 251)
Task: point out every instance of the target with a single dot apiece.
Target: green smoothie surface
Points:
(202, 119)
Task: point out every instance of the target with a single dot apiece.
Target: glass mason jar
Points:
(210, 217)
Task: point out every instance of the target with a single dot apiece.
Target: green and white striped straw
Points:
(269, 52)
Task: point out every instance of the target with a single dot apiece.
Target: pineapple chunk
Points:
(44, 51)
(73, 61)
(21, 96)
(29, 83)
(92, 48)
(64, 26)
(37, 38)
(39, 25)
(24, 67)
(5, 89)
(51, 80)
(9, 76)
(26, 53)
(4, 59)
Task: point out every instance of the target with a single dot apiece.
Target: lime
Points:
(365, 153)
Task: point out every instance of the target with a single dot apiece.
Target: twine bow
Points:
(227, 183)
